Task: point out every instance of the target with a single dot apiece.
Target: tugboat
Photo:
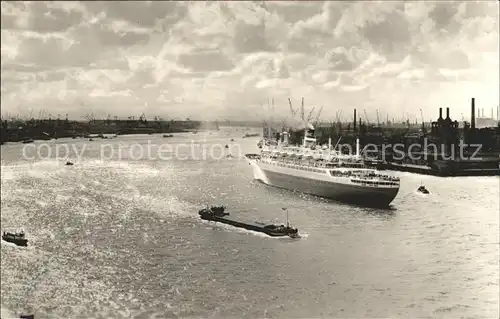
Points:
(422, 190)
(218, 214)
(17, 238)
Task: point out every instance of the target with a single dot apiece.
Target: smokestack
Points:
(447, 112)
(354, 120)
(440, 113)
(473, 113)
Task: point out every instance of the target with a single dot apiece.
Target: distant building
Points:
(444, 131)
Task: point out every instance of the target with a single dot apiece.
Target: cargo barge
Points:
(218, 214)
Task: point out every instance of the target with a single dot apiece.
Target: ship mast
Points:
(286, 210)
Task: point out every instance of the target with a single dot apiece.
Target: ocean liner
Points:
(321, 171)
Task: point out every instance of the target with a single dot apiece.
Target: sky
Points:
(227, 60)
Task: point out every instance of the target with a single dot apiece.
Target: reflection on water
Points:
(123, 238)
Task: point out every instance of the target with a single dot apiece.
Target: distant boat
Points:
(168, 135)
(251, 135)
(422, 190)
(17, 238)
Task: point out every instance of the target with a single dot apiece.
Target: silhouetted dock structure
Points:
(17, 130)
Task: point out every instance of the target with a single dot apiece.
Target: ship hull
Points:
(327, 188)
(243, 224)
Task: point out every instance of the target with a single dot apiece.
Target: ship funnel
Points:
(357, 147)
(354, 120)
(285, 138)
(473, 113)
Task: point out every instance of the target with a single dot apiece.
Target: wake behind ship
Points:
(321, 171)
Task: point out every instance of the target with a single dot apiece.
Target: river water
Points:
(120, 238)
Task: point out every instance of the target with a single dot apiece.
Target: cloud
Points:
(226, 59)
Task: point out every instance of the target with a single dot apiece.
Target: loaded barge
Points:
(218, 214)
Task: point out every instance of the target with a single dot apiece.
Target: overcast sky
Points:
(195, 59)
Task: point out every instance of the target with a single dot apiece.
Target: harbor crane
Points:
(291, 107)
(423, 122)
(309, 116)
(317, 117)
(302, 109)
(142, 118)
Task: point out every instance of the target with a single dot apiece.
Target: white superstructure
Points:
(323, 171)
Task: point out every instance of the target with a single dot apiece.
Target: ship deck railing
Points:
(375, 183)
(318, 164)
(322, 168)
(365, 176)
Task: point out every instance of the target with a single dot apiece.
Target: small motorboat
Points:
(68, 163)
(17, 238)
(422, 190)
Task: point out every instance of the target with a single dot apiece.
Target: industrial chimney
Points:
(354, 120)
(440, 113)
(473, 114)
(448, 113)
